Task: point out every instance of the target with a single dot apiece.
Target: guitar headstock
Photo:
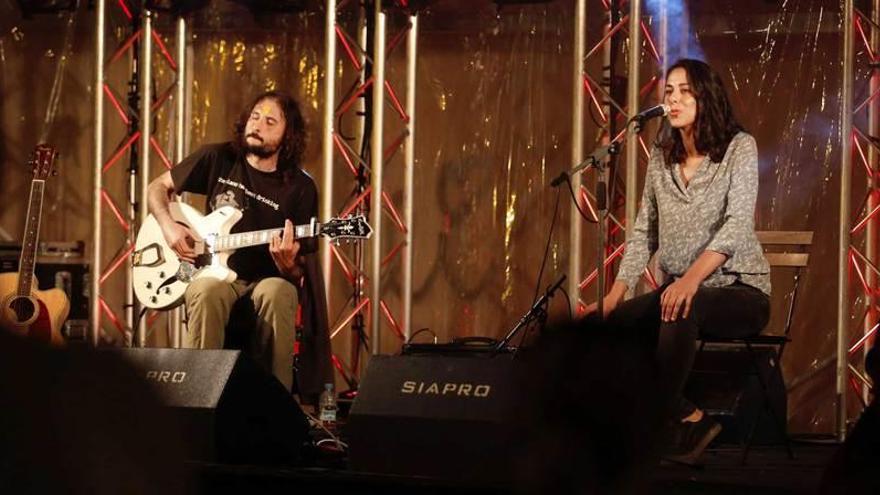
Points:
(44, 162)
(349, 228)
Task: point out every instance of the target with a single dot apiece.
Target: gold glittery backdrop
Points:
(493, 127)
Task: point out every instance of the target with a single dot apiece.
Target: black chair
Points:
(784, 250)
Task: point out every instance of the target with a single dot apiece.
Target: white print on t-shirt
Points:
(226, 198)
(249, 193)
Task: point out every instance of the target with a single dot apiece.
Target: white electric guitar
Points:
(160, 277)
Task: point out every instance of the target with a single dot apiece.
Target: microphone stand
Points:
(597, 161)
(537, 312)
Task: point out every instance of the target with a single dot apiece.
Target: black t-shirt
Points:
(265, 198)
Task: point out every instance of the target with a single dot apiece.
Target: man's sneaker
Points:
(693, 438)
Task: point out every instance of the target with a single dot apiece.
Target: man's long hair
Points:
(715, 125)
(293, 143)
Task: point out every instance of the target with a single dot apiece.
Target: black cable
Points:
(426, 329)
(547, 245)
(544, 260)
(568, 301)
(137, 326)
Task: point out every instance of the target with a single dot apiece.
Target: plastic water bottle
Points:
(327, 404)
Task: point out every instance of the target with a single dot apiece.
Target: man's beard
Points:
(262, 150)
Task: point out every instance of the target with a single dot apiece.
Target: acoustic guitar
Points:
(38, 314)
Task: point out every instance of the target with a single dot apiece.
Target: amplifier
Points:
(451, 417)
(231, 409)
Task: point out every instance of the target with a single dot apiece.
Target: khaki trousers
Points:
(209, 303)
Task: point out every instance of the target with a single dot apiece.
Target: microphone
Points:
(658, 111)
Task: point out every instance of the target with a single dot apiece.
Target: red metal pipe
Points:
(351, 56)
(162, 156)
(391, 320)
(396, 102)
(390, 256)
(345, 322)
(116, 104)
(122, 222)
(117, 263)
(119, 152)
(164, 51)
(393, 211)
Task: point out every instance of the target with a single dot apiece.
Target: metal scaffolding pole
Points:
(577, 148)
(352, 151)
(601, 189)
(181, 93)
(606, 95)
(365, 153)
(359, 334)
(664, 41)
(409, 172)
(98, 184)
(327, 135)
(176, 315)
(873, 228)
(145, 73)
(846, 132)
(632, 102)
(376, 176)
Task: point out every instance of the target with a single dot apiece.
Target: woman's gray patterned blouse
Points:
(715, 212)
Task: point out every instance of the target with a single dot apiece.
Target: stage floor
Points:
(768, 471)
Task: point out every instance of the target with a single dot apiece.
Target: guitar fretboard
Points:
(257, 237)
(29, 240)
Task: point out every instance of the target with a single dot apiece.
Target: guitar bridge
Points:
(137, 257)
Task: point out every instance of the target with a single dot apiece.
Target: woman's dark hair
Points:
(714, 127)
(293, 143)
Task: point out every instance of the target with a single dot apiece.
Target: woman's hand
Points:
(610, 301)
(677, 298)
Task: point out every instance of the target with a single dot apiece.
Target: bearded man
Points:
(259, 173)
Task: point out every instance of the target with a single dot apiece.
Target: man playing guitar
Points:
(258, 173)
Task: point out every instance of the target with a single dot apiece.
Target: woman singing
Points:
(697, 214)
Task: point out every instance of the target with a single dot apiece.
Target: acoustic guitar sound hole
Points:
(23, 307)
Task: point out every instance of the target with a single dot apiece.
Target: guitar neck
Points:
(258, 237)
(29, 239)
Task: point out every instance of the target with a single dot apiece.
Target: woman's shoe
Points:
(693, 438)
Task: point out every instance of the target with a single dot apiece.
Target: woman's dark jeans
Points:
(737, 310)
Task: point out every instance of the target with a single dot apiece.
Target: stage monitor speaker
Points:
(232, 409)
(724, 384)
(448, 417)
